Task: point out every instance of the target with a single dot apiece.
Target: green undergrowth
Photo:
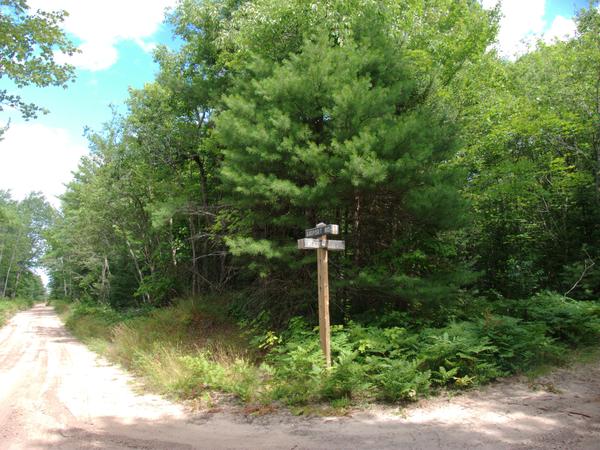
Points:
(8, 307)
(193, 349)
(190, 350)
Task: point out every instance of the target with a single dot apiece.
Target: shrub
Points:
(298, 371)
(201, 374)
(161, 368)
(399, 379)
(126, 342)
(10, 307)
(457, 354)
(346, 379)
(192, 347)
(570, 321)
(519, 345)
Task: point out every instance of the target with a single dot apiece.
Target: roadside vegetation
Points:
(22, 245)
(466, 185)
(195, 350)
(9, 307)
(23, 225)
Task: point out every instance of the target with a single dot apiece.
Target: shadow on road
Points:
(91, 405)
(496, 426)
(53, 334)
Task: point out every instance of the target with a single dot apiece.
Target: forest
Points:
(466, 186)
(22, 245)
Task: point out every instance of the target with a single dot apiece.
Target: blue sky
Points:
(86, 101)
(563, 8)
(116, 54)
(116, 38)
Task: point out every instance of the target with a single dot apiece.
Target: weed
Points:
(180, 351)
(341, 404)
(8, 307)
(346, 379)
(401, 380)
(192, 350)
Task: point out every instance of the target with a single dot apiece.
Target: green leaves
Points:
(23, 228)
(446, 167)
(528, 131)
(398, 364)
(339, 118)
(27, 45)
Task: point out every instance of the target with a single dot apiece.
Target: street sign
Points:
(322, 245)
(313, 244)
(335, 245)
(322, 230)
(310, 244)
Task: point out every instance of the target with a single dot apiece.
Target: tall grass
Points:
(193, 349)
(183, 351)
(8, 307)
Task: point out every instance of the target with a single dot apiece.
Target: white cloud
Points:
(521, 21)
(561, 29)
(523, 24)
(101, 25)
(94, 56)
(35, 157)
(146, 46)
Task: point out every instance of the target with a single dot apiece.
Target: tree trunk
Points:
(173, 248)
(596, 139)
(1, 254)
(206, 222)
(194, 259)
(357, 225)
(10, 264)
(137, 267)
(14, 293)
(64, 274)
(203, 180)
(105, 280)
(223, 268)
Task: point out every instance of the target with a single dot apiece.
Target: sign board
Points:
(322, 231)
(336, 245)
(309, 244)
(322, 245)
(313, 244)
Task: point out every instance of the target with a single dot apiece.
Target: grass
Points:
(193, 350)
(586, 355)
(187, 351)
(9, 307)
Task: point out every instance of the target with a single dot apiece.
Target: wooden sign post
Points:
(316, 238)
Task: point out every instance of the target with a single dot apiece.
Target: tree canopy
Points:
(453, 173)
(28, 42)
(22, 244)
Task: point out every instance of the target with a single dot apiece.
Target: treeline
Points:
(453, 173)
(22, 227)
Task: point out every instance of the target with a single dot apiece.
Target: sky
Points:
(116, 38)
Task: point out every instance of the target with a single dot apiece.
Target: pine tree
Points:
(346, 129)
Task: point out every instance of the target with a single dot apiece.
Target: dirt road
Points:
(54, 393)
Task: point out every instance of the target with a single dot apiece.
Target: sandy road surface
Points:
(54, 393)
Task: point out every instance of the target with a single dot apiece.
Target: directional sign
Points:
(313, 244)
(310, 244)
(336, 245)
(322, 231)
(322, 245)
